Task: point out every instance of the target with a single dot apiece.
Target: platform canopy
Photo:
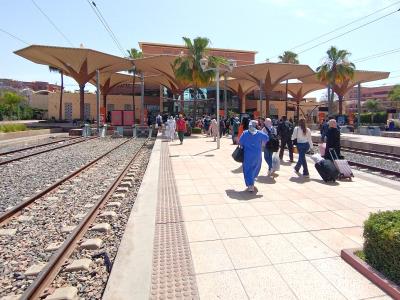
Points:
(79, 63)
(161, 66)
(109, 80)
(341, 88)
(270, 75)
(360, 76)
(241, 87)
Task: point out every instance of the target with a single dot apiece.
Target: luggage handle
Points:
(330, 152)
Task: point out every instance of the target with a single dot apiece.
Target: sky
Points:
(266, 26)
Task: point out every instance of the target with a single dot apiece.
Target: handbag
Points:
(294, 142)
(238, 154)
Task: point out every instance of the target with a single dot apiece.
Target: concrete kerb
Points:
(130, 277)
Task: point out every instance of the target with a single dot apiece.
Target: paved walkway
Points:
(282, 243)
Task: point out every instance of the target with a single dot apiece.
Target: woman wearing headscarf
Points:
(171, 126)
(304, 143)
(332, 139)
(214, 129)
(244, 125)
(269, 130)
(251, 140)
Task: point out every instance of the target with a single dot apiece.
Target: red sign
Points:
(128, 118)
(222, 112)
(116, 117)
(102, 115)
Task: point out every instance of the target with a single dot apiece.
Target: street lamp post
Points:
(228, 67)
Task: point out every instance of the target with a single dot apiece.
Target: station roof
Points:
(298, 90)
(240, 86)
(360, 76)
(110, 80)
(272, 73)
(78, 63)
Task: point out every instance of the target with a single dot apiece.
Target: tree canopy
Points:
(394, 94)
(289, 57)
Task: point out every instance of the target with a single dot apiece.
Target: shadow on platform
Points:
(242, 195)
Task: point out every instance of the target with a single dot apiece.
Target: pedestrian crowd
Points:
(255, 137)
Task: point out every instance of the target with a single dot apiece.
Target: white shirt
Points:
(301, 137)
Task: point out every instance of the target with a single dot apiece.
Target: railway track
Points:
(15, 155)
(39, 286)
(375, 155)
(14, 211)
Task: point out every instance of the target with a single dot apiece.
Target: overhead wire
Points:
(341, 27)
(107, 27)
(13, 36)
(344, 26)
(349, 31)
(52, 23)
(377, 55)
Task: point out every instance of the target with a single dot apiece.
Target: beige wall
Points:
(118, 100)
(38, 101)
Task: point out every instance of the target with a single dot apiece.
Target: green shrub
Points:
(366, 118)
(196, 130)
(13, 127)
(380, 117)
(382, 243)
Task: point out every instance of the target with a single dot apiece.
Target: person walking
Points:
(222, 127)
(285, 130)
(171, 127)
(304, 143)
(244, 125)
(324, 130)
(181, 128)
(235, 130)
(268, 149)
(332, 139)
(251, 140)
(214, 129)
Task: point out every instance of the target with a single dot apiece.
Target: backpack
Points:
(273, 143)
(286, 129)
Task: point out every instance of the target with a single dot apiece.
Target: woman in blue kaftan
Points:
(251, 141)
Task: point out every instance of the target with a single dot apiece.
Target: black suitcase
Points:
(327, 170)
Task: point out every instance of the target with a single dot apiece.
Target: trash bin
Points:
(103, 131)
(87, 131)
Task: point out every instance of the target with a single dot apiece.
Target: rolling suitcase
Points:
(327, 170)
(341, 165)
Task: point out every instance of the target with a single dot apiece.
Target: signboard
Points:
(102, 115)
(116, 118)
(322, 108)
(128, 118)
(222, 112)
(341, 120)
(321, 117)
(351, 119)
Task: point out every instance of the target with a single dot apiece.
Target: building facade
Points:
(379, 93)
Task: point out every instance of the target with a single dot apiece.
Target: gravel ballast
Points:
(56, 214)
(26, 177)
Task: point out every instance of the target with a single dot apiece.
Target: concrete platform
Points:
(194, 233)
(389, 145)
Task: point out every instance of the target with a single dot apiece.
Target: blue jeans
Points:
(303, 148)
(268, 158)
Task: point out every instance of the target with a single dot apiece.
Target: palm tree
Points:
(54, 69)
(335, 69)
(372, 105)
(133, 53)
(187, 67)
(289, 57)
(394, 95)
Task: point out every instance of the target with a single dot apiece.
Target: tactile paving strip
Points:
(173, 273)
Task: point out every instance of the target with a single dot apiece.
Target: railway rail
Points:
(14, 211)
(17, 155)
(118, 166)
(40, 286)
(376, 155)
